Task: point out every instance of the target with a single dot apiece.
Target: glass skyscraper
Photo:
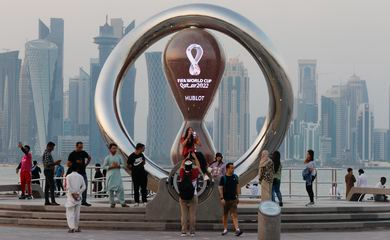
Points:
(308, 91)
(231, 119)
(164, 118)
(39, 68)
(9, 100)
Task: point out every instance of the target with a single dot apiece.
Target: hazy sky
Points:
(342, 35)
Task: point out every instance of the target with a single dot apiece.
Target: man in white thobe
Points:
(75, 186)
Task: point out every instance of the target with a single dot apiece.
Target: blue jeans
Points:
(276, 190)
(86, 189)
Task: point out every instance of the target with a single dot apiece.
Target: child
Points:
(75, 186)
(98, 180)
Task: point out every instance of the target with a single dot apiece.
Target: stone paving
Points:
(19, 233)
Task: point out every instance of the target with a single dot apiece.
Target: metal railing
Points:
(291, 182)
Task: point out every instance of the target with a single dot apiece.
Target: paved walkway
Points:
(17, 233)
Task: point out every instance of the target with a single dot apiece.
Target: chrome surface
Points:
(204, 16)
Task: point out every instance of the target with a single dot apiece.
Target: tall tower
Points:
(55, 35)
(365, 127)
(109, 36)
(231, 133)
(40, 68)
(334, 123)
(164, 118)
(307, 93)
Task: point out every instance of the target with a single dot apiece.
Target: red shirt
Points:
(194, 173)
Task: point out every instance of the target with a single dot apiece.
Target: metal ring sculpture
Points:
(167, 22)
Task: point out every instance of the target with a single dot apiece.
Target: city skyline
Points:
(337, 54)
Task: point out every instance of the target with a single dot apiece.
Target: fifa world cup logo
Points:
(194, 65)
(194, 68)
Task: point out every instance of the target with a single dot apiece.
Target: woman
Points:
(266, 175)
(277, 178)
(309, 174)
(218, 167)
(189, 142)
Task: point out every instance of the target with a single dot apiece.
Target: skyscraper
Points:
(55, 34)
(164, 118)
(307, 92)
(109, 36)
(231, 133)
(79, 97)
(334, 123)
(9, 100)
(39, 71)
(356, 94)
(365, 127)
(380, 143)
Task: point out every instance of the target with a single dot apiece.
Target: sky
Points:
(346, 37)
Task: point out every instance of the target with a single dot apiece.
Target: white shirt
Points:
(74, 184)
(379, 185)
(362, 181)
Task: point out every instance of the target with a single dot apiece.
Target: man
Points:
(349, 181)
(80, 159)
(218, 167)
(228, 193)
(98, 181)
(75, 186)
(381, 184)
(188, 194)
(135, 164)
(25, 166)
(36, 173)
(59, 174)
(362, 179)
(48, 166)
(113, 164)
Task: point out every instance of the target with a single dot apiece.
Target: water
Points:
(324, 177)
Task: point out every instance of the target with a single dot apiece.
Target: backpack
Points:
(186, 189)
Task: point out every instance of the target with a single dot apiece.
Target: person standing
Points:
(189, 142)
(362, 179)
(218, 167)
(80, 159)
(98, 180)
(59, 174)
(75, 186)
(349, 181)
(113, 164)
(48, 165)
(188, 200)
(309, 174)
(25, 166)
(229, 191)
(136, 163)
(266, 176)
(277, 178)
(36, 173)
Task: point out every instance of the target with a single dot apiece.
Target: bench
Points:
(367, 190)
(36, 189)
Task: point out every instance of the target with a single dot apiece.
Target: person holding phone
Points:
(49, 164)
(189, 142)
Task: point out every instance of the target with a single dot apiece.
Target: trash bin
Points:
(269, 221)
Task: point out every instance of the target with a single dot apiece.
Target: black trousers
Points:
(59, 184)
(49, 185)
(309, 189)
(140, 182)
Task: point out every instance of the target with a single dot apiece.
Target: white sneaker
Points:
(136, 205)
(183, 234)
(192, 234)
(309, 204)
(143, 204)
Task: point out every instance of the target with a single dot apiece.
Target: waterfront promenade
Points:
(19, 233)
